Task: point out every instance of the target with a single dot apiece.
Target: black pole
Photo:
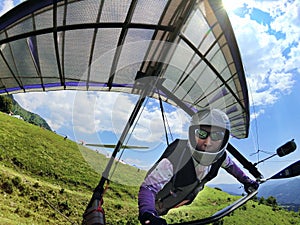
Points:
(222, 213)
(129, 123)
(292, 170)
(283, 150)
(264, 159)
(248, 165)
(96, 200)
(163, 118)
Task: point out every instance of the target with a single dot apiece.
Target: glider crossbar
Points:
(223, 212)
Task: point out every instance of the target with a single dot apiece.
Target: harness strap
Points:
(182, 189)
(211, 174)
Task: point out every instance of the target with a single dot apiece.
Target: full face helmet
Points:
(213, 118)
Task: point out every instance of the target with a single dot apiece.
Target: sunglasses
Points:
(214, 135)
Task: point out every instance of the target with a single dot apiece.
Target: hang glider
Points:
(188, 47)
(183, 52)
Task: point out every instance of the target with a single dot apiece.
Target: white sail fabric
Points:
(187, 46)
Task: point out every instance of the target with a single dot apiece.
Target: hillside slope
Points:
(45, 179)
(29, 117)
(287, 192)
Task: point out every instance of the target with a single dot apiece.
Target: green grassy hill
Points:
(45, 179)
(9, 105)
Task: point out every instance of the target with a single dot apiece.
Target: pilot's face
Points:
(209, 138)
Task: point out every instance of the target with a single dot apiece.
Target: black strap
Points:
(181, 158)
(248, 165)
(213, 172)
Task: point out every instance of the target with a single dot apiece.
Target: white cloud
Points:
(256, 114)
(99, 111)
(267, 68)
(286, 20)
(151, 127)
(5, 6)
(54, 107)
(294, 59)
(88, 113)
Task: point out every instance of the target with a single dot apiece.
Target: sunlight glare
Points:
(231, 5)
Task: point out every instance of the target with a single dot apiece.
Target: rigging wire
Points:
(163, 118)
(266, 152)
(169, 128)
(58, 211)
(128, 138)
(255, 125)
(166, 127)
(165, 121)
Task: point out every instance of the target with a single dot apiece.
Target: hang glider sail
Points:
(187, 47)
(113, 146)
(182, 52)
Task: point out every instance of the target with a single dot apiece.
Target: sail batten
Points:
(187, 45)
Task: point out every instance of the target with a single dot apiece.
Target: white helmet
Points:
(214, 117)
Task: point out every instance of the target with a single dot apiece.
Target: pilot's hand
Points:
(150, 219)
(250, 185)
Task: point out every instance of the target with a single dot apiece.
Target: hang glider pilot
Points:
(186, 165)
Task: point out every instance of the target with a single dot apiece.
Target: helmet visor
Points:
(214, 135)
(202, 132)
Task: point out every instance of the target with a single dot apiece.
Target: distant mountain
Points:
(28, 116)
(286, 192)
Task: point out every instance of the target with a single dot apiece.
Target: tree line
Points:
(10, 106)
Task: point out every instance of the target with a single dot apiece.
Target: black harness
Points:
(184, 185)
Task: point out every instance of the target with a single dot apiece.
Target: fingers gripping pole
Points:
(94, 213)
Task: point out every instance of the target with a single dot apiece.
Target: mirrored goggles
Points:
(214, 135)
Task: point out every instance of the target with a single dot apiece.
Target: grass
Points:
(45, 179)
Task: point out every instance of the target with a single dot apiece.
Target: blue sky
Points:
(267, 33)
